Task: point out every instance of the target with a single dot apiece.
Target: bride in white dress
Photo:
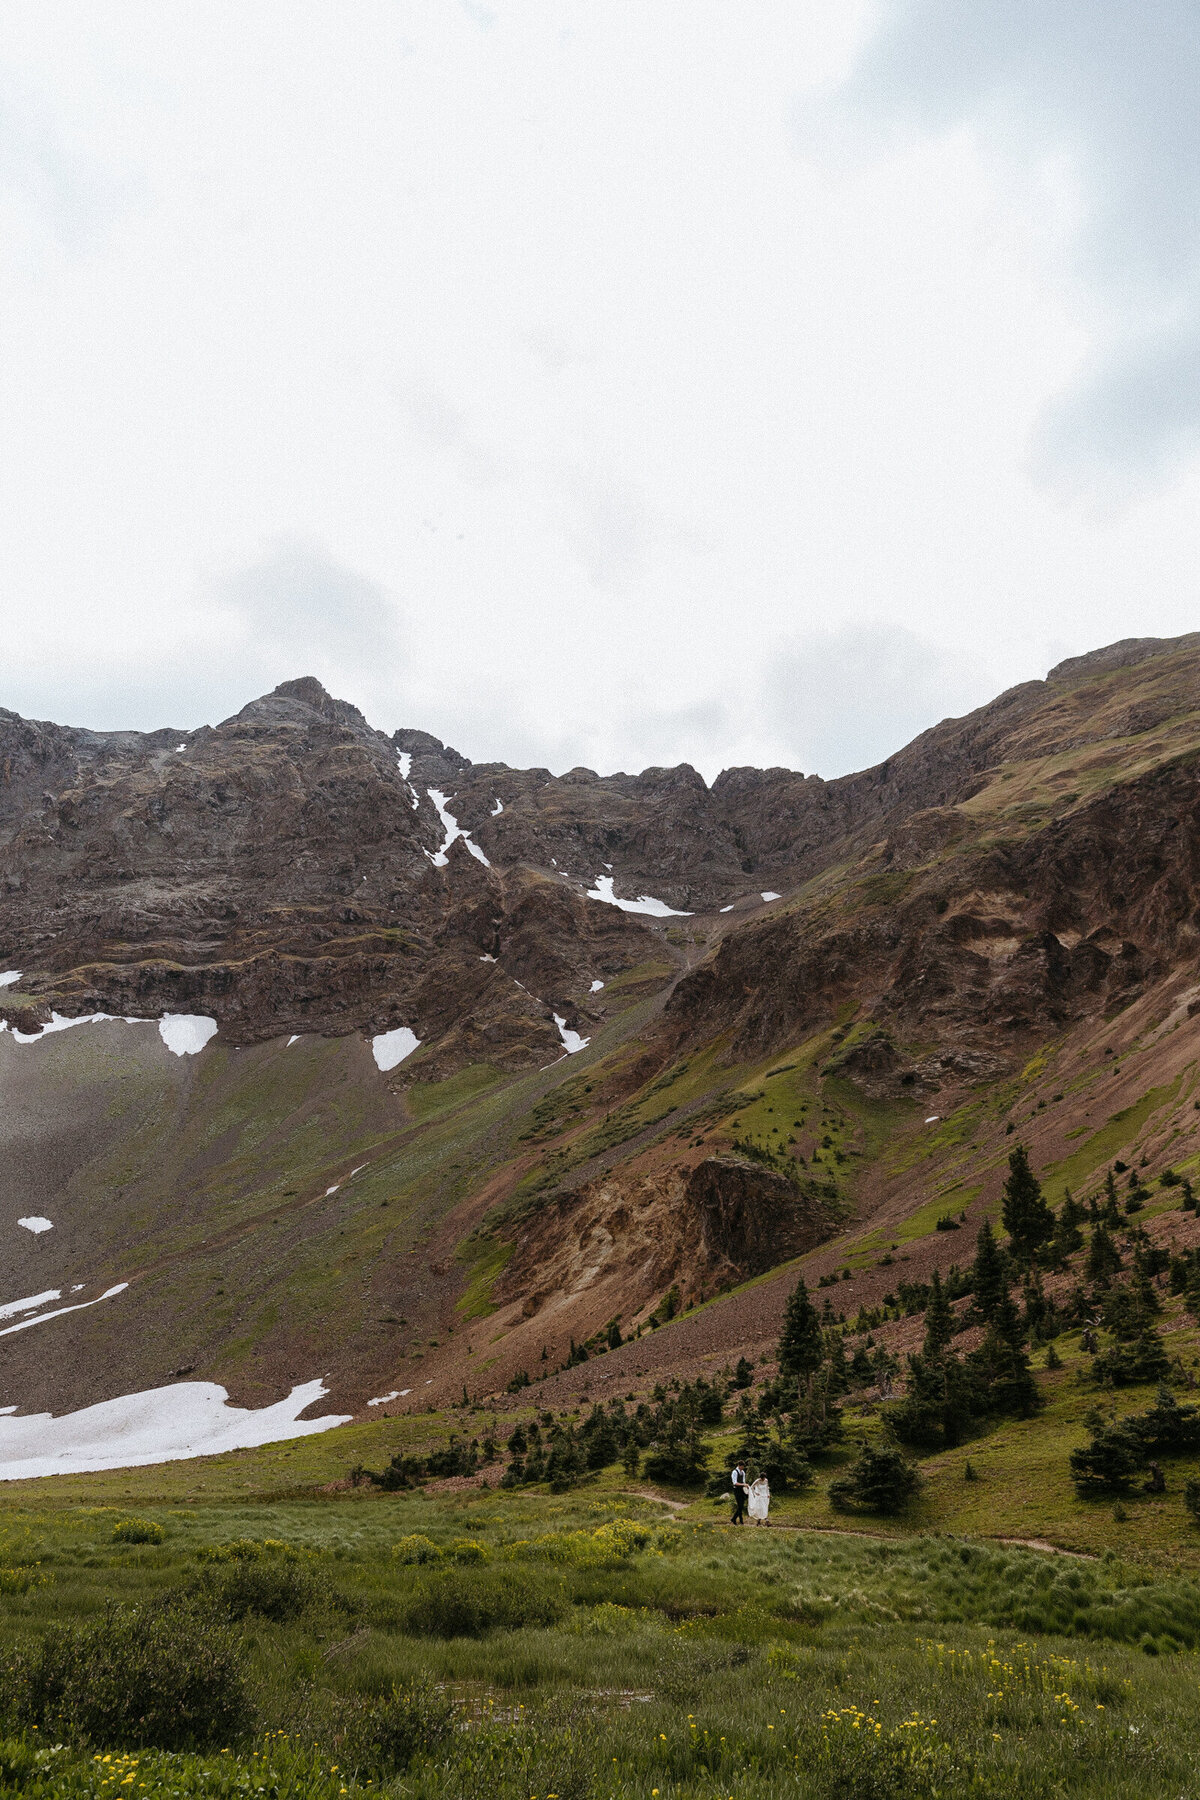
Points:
(759, 1503)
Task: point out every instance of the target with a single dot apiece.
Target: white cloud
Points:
(843, 700)
(1111, 90)
(517, 377)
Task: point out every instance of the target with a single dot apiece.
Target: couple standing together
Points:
(751, 1497)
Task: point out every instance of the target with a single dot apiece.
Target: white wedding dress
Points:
(759, 1502)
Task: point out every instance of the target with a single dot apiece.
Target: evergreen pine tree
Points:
(1000, 1376)
(1008, 1323)
(1038, 1311)
(839, 1372)
(1103, 1257)
(1192, 1290)
(882, 1480)
(1027, 1219)
(1110, 1212)
(602, 1446)
(801, 1342)
(989, 1275)
(1109, 1464)
(938, 1403)
(939, 1321)
(1067, 1235)
(1141, 1357)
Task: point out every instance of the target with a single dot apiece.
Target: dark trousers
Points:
(739, 1506)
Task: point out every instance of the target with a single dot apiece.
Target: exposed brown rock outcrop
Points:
(617, 1245)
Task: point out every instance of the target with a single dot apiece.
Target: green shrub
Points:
(380, 1736)
(469, 1550)
(467, 1603)
(271, 1587)
(609, 1547)
(138, 1531)
(20, 1580)
(416, 1549)
(246, 1550)
(171, 1677)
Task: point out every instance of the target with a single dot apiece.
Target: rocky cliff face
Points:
(1062, 881)
(295, 869)
(280, 873)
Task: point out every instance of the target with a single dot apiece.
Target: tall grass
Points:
(583, 1650)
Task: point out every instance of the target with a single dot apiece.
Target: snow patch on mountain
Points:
(79, 1306)
(19, 1306)
(166, 1424)
(572, 1042)
(645, 903)
(453, 831)
(185, 1034)
(389, 1048)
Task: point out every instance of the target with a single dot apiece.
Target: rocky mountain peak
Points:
(295, 702)
(1125, 654)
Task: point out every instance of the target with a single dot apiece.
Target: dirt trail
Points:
(1050, 1549)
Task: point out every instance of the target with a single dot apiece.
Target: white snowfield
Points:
(645, 903)
(404, 761)
(36, 1224)
(572, 1042)
(497, 809)
(391, 1047)
(79, 1306)
(595, 987)
(772, 895)
(167, 1424)
(18, 1306)
(184, 1034)
(453, 831)
(9, 977)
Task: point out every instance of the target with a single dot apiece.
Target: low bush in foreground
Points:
(450, 1603)
(166, 1676)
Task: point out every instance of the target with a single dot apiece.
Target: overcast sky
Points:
(611, 383)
